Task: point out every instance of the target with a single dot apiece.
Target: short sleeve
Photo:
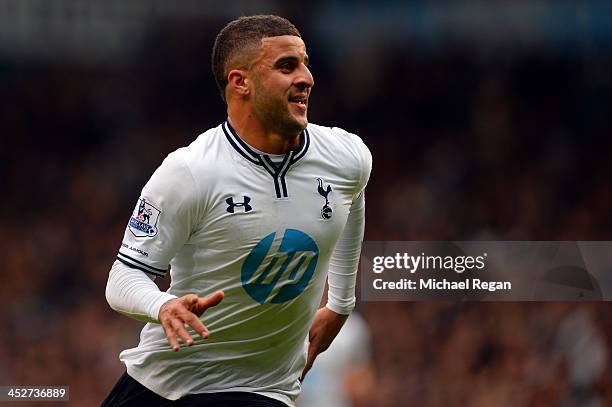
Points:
(163, 218)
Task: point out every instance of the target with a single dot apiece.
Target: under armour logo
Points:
(245, 204)
(326, 211)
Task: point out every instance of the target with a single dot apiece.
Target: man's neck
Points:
(267, 140)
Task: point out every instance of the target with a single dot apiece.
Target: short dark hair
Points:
(240, 35)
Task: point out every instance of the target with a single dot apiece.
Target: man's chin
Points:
(299, 116)
(297, 125)
(291, 126)
(301, 122)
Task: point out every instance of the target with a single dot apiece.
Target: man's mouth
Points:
(300, 100)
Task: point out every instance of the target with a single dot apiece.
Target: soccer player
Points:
(253, 217)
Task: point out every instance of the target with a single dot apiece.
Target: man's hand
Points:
(174, 314)
(325, 327)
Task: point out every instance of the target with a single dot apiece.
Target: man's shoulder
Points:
(334, 133)
(204, 146)
(345, 149)
(193, 159)
(203, 141)
(338, 140)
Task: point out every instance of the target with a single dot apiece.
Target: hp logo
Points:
(279, 269)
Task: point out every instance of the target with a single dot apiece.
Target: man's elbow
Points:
(111, 297)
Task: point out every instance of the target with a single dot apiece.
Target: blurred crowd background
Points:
(486, 120)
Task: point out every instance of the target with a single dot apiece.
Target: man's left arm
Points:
(341, 279)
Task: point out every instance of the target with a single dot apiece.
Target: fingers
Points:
(196, 323)
(207, 302)
(171, 335)
(305, 371)
(176, 313)
(174, 328)
(312, 354)
(189, 301)
(179, 328)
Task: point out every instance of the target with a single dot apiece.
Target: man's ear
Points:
(238, 82)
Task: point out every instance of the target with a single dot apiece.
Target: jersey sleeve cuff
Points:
(339, 309)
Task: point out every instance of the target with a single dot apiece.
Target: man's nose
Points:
(304, 78)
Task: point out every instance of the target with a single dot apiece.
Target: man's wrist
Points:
(157, 304)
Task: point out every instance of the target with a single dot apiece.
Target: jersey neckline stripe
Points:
(247, 152)
(277, 172)
(236, 143)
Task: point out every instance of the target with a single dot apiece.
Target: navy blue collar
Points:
(276, 170)
(262, 159)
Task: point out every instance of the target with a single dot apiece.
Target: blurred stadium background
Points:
(486, 119)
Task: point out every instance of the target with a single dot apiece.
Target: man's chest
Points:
(243, 209)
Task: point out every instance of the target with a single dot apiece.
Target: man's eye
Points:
(287, 66)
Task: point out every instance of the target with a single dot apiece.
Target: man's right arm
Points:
(166, 213)
(133, 293)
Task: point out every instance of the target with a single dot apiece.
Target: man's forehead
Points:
(274, 46)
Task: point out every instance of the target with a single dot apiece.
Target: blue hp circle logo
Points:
(279, 269)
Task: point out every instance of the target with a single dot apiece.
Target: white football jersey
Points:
(225, 217)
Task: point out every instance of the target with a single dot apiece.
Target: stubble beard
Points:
(274, 114)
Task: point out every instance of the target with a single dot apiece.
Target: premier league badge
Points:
(143, 222)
